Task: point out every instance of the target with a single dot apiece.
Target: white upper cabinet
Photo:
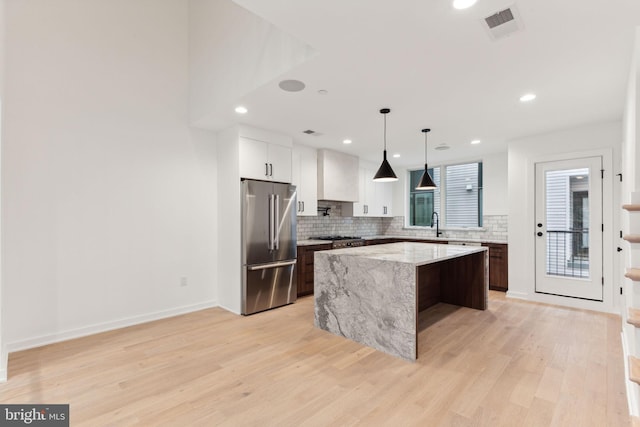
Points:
(279, 159)
(364, 205)
(304, 176)
(383, 198)
(337, 176)
(264, 160)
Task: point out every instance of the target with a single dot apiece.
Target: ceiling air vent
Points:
(503, 23)
(499, 18)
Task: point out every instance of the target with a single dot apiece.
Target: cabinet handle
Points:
(303, 206)
(384, 210)
(270, 169)
(298, 206)
(266, 169)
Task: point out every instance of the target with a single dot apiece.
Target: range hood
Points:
(337, 176)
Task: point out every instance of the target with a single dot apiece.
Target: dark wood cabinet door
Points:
(305, 267)
(498, 266)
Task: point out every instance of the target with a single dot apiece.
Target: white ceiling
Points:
(437, 67)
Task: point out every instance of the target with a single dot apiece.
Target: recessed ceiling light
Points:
(476, 141)
(241, 110)
(463, 4)
(528, 97)
(291, 85)
(347, 141)
(323, 91)
(442, 147)
(396, 155)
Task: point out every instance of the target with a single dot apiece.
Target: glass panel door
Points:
(569, 228)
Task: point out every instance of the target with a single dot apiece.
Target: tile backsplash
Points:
(494, 226)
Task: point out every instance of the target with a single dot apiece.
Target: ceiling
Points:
(437, 67)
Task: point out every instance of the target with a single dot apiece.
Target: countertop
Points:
(311, 242)
(443, 239)
(413, 253)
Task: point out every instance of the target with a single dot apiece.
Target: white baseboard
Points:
(4, 361)
(104, 327)
(517, 295)
(565, 302)
(632, 396)
(230, 310)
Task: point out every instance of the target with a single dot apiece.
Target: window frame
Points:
(442, 189)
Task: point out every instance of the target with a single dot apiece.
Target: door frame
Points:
(562, 286)
(611, 204)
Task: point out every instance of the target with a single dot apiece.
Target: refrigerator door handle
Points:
(271, 265)
(270, 241)
(276, 223)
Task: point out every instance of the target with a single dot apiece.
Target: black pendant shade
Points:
(426, 182)
(385, 172)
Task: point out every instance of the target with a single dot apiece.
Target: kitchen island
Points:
(373, 294)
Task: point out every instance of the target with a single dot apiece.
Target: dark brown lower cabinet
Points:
(498, 260)
(498, 266)
(382, 241)
(305, 267)
(498, 263)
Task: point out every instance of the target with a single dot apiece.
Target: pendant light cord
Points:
(385, 132)
(425, 148)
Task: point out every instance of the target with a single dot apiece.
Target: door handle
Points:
(271, 265)
(276, 224)
(539, 233)
(271, 222)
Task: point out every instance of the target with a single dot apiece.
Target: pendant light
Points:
(385, 173)
(426, 182)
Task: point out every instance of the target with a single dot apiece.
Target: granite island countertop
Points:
(372, 294)
(415, 253)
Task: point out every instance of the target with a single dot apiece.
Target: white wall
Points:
(108, 197)
(3, 347)
(523, 154)
(229, 221)
(232, 52)
(495, 178)
(630, 220)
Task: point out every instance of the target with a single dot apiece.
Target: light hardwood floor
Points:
(516, 364)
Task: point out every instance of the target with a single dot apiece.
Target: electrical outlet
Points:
(184, 281)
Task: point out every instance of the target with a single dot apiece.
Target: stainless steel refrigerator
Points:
(268, 245)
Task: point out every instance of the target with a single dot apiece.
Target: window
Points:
(458, 198)
(422, 203)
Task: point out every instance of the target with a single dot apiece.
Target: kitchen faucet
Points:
(438, 232)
